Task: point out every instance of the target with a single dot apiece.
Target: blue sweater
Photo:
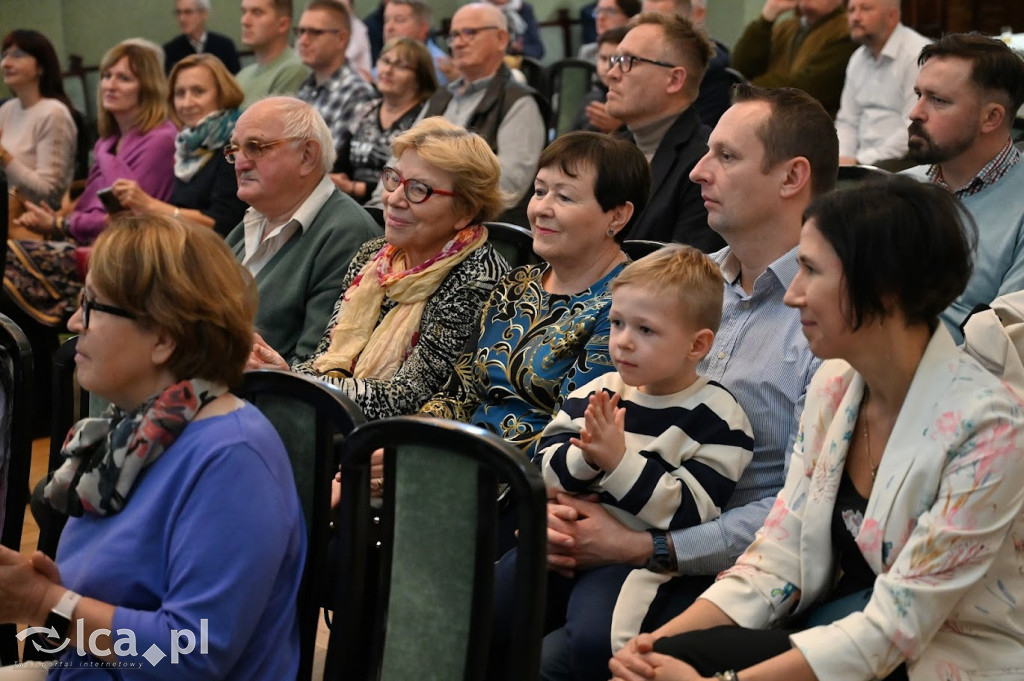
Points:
(213, 530)
(999, 261)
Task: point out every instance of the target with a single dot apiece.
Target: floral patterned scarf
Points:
(360, 347)
(105, 455)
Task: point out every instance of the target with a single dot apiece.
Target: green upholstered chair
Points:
(313, 418)
(16, 403)
(424, 609)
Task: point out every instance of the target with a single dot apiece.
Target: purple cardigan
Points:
(146, 158)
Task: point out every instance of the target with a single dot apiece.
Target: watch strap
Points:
(60, 615)
(661, 558)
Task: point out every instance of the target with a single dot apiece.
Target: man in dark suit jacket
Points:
(661, 62)
(194, 38)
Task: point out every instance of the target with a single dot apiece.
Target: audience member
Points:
(523, 31)
(411, 19)
(593, 113)
(608, 14)
(716, 86)
(334, 88)
(487, 100)
(411, 298)
(44, 277)
(374, 22)
(161, 487)
(772, 152)
(38, 135)
(195, 38)
(405, 80)
(808, 51)
(204, 101)
(300, 233)
(662, 446)
(879, 90)
(651, 87)
(968, 90)
(359, 52)
(265, 28)
(898, 525)
(544, 330)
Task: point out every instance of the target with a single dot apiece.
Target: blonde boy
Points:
(661, 446)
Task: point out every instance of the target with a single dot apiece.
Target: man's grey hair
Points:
(203, 5)
(303, 121)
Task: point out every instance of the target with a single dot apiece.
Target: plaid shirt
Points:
(337, 99)
(1007, 157)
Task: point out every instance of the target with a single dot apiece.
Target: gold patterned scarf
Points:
(357, 348)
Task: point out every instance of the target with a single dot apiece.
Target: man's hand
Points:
(600, 119)
(773, 8)
(583, 535)
(603, 437)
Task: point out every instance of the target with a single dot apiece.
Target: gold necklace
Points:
(867, 436)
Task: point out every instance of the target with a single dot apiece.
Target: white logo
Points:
(182, 642)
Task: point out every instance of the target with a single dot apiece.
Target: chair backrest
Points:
(638, 248)
(376, 213)
(533, 69)
(512, 242)
(431, 609)
(16, 403)
(312, 417)
(851, 176)
(568, 82)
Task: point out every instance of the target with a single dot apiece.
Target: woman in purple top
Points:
(43, 277)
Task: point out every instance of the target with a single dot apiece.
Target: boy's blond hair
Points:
(685, 274)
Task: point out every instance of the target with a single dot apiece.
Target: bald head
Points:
(478, 40)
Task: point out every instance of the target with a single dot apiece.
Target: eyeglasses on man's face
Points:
(253, 149)
(89, 306)
(300, 31)
(468, 33)
(415, 191)
(393, 63)
(626, 61)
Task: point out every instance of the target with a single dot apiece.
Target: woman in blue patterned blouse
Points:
(544, 330)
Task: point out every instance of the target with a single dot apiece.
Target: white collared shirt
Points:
(198, 45)
(259, 249)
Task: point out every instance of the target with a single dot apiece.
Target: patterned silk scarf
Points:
(105, 455)
(194, 147)
(359, 349)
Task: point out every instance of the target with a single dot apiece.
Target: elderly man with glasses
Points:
(486, 100)
(300, 233)
(654, 78)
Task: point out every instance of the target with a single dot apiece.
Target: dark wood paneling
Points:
(935, 17)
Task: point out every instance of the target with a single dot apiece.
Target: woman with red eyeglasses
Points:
(412, 298)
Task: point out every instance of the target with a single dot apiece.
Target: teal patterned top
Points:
(532, 349)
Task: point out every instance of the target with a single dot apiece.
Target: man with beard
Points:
(969, 90)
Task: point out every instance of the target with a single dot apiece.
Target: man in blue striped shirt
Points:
(770, 154)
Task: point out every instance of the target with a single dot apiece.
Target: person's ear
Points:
(618, 217)
(700, 345)
(993, 117)
(797, 175)
(678, 79)
(309, 157)
(163, 347)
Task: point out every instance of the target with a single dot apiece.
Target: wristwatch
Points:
(661, 560)
(59, 618)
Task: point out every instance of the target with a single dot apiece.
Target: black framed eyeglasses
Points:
(300, 31)
(253, 149)
(469, 33)
(88, 306)
(415, 191)
(626, 61)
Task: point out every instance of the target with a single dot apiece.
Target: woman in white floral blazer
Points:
(902, 510)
